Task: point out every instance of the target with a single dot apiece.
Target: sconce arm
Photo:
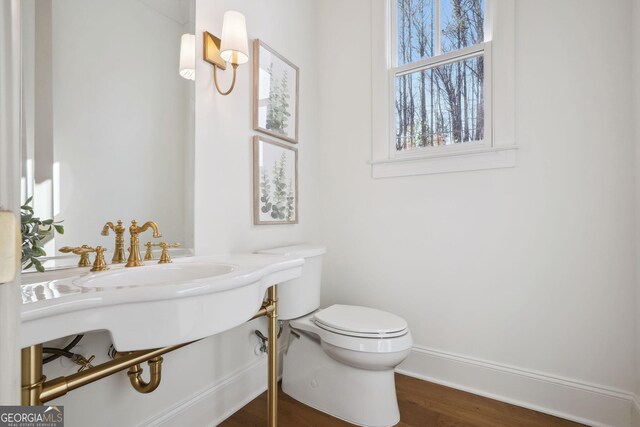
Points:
(233, 82)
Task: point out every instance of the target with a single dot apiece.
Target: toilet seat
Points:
(357, 341)
(358, 321)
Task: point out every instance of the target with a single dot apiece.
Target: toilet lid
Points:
(360, 321)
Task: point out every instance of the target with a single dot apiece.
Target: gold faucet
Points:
(119, 229)
(134, 250)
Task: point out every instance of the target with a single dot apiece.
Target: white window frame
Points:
(497, 149)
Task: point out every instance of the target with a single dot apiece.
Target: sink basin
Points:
(152, 306)
(159, 274)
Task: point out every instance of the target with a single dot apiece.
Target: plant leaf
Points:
(38, 265)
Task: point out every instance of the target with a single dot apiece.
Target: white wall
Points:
(529, 268)
(224, 159)
(223, 223)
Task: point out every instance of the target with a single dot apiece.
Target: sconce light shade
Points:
(234, 47)
(188, 56)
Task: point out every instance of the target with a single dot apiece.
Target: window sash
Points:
(444, 59)
(481, 49)
(437, 37)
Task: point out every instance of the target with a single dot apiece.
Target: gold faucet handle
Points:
(78, 250)
(83, 251)
(164, 256)
(99, 264)
(148, 255)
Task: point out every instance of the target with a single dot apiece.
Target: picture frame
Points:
(275, 103)
(275, 182)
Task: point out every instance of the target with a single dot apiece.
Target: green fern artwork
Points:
(275, 183)
(276, 96)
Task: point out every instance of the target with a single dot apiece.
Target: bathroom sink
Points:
(152, 306)
(158, 274)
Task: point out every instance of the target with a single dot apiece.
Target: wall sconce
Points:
(187, 67)
(233, 47)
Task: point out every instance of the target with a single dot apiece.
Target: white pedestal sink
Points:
(156, 305)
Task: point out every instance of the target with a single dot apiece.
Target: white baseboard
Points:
(213, 405)
(635, 412)
(585, 403)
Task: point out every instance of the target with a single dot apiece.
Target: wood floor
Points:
(422, 404)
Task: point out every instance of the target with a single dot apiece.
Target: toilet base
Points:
(359, 396)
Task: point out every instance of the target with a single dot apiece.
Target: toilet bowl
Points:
(341, 359)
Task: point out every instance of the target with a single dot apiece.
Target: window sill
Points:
(460, 161)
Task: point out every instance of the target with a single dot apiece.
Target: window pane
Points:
(416, 27)
(440, 106)
(462, 23)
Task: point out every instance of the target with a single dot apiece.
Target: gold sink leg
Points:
(31, 373)
(272, 386)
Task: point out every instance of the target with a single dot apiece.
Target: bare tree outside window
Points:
(443, 104)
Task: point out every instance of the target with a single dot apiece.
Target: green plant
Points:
(34, 231)
(265, 189)
(290, 201)
(280, 190)
(278, 105)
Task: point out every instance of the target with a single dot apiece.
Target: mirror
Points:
(108, 121)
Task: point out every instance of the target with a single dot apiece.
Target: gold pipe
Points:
(61, 386)
(266, 308)
(31, 373)
(272, 381)
(155, 375)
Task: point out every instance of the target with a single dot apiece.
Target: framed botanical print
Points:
(275, 93)
(275, 182)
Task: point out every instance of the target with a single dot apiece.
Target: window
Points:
(439, 73)
(443, 86)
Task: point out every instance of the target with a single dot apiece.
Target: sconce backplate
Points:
(212, 51)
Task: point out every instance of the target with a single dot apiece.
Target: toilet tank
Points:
(300, 296)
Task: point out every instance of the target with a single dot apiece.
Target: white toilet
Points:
(341, 359)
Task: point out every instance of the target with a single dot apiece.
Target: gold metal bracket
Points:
(211, 53)
(10, 241)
